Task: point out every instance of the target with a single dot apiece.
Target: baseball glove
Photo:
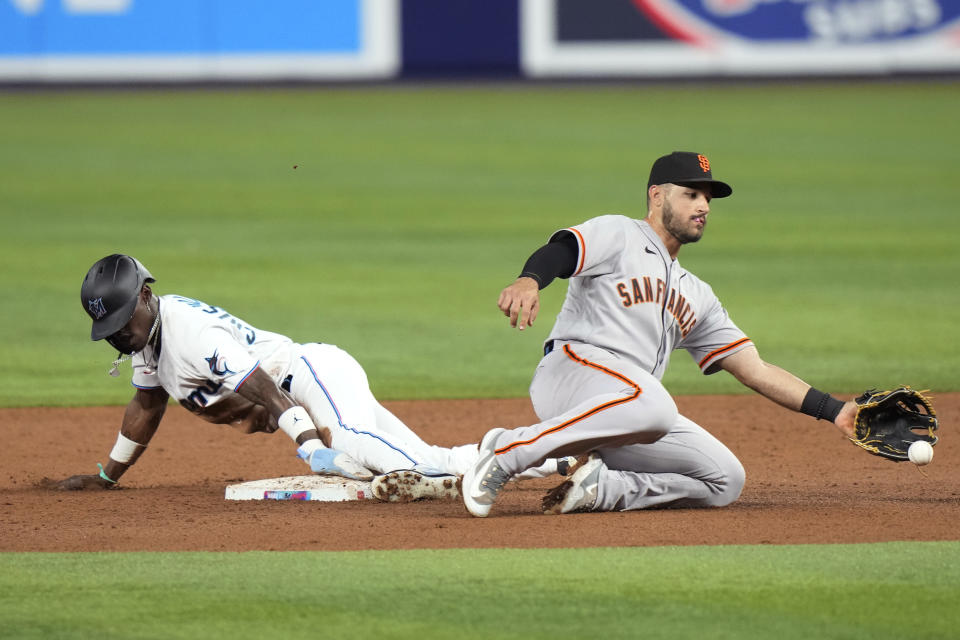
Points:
(888, 422)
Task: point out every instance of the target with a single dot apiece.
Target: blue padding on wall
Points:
(460, 37)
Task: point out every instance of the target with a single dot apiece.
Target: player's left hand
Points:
(83, 482)
(846, 419)
(888, 422)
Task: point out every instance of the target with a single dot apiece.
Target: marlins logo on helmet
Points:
(97, 310)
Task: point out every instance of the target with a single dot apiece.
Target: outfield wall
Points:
(254, 40)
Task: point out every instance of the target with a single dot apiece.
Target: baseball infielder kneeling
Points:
(597, 389)
(226, 371)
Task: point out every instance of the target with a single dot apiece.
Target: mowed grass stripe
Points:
(889, 590)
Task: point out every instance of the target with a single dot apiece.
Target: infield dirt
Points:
(805, 484)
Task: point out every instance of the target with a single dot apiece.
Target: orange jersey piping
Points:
(586, 414)
(583, 250)
(722, 350)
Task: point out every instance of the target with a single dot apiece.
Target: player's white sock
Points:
(308, 447)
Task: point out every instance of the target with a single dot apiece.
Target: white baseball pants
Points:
(332, 386)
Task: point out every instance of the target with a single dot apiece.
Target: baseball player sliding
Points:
(597, 389)
(227, 371)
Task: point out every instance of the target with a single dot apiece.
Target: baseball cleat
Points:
(579, 493)
(408, 485)
(330, 462)
(484, 480)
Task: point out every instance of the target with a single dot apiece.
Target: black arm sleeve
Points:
(557, 258)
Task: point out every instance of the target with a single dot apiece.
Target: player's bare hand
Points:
(82, 483)
(520, 302)
(845, 420)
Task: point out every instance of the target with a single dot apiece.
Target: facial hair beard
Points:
(672, 225)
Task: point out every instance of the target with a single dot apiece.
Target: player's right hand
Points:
(521, 297)
(83, 482)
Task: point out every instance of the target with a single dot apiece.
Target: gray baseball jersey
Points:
(629, 297)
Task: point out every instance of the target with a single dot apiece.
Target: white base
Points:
(322, 488)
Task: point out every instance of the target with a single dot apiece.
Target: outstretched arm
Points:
(140, 422)
(521, 297)
(779, 385)
(556, 259)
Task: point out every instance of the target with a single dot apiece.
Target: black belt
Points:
(285, 385)
(548, 347)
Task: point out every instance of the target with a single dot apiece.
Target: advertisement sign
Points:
(738, 37)
(189, 40)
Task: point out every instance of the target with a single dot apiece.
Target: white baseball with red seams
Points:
(920, 453)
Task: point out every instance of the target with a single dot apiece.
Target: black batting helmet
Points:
(110, 291)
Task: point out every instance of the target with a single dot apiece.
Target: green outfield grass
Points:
(893, 590)
(410, 208)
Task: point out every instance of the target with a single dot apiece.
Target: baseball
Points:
(920, 452)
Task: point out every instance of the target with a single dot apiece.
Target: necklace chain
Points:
(123, 357)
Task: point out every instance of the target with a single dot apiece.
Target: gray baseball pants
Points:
(589, 399)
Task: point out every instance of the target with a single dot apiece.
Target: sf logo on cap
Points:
(704, 163)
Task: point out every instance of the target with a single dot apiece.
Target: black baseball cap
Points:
(109, 293)
(681, 167)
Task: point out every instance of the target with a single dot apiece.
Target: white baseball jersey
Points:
(206, 354)
(628, 296)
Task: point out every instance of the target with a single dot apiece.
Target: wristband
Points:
(103, 474)
(820, 405)
(126, 450)
(295, 421)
